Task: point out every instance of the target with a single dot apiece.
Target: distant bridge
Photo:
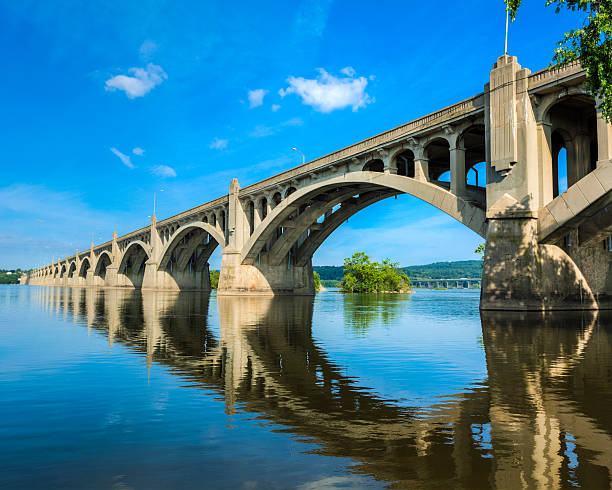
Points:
(461, 283)
(544, 249)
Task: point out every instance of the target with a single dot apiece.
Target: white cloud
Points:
(263, 131)
(275, 107)
(348, 71)
(163, 171)
(140, 84)
(138, 151)
(327, 93)
(311, 18)
(147, 49)
(256, 97)
(294, 121)
(125, 159)
(218, 144)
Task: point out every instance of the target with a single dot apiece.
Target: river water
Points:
(122, 389)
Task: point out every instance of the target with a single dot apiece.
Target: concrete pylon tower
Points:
(518, 272)
(149, 280)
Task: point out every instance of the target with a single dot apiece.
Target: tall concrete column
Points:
(111, 271)
(518, 272)
(389, 164)
(544, 141)
(582, 155)
(150, 278)
(457, 171)
(235, 217)
(269, 203)
(261, 277)
(75, 276)
(421, 165)
(65, 277)
(604, 139)
(257, 213)
(218, 221)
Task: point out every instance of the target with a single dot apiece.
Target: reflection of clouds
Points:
(332, 482)
(160, 404)
(112, 418)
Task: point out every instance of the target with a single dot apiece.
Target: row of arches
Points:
(292, 235)
(436, 159)
(183, 261)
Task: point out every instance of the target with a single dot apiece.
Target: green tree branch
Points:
(591, 44)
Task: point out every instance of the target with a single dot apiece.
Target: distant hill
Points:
(471, 269)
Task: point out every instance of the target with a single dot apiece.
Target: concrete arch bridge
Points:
(547, 247)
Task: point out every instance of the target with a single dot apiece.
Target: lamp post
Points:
(303, 157)
(154, 199)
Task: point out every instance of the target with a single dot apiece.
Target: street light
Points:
(154, 197)
(303, 157)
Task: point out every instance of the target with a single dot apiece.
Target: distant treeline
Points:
(471, 269)
(10, 276)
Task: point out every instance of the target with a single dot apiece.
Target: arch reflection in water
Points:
(541, 420)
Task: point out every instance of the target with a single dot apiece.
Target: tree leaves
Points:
(590, 44)
(361, 275)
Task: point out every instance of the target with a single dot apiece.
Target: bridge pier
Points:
(263, 278)
(164, 280)
(526, 266)
(521, 274)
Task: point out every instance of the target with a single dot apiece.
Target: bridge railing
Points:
(464, 107)
(548, 75)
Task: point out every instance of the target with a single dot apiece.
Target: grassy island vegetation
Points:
(10, 276)
(361, 275)
(214, 279)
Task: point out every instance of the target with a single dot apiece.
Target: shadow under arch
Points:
(130, 271)
(85, 266)
(103, 261)
(184, 259)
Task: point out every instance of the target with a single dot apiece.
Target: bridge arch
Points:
(404, 162)
(183, 262)
(374, 165)
(103, 261)
(471, 141)
(337, 199)
(72, 269)
(437, 152)
(570, 124)
(181, 233)
(130, 271)
(85, 266)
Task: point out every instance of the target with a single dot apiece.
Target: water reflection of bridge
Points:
(542, 419)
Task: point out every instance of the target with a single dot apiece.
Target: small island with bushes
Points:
(362, 275)
(10, 276)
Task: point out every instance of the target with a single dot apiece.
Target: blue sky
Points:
(105, 102)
